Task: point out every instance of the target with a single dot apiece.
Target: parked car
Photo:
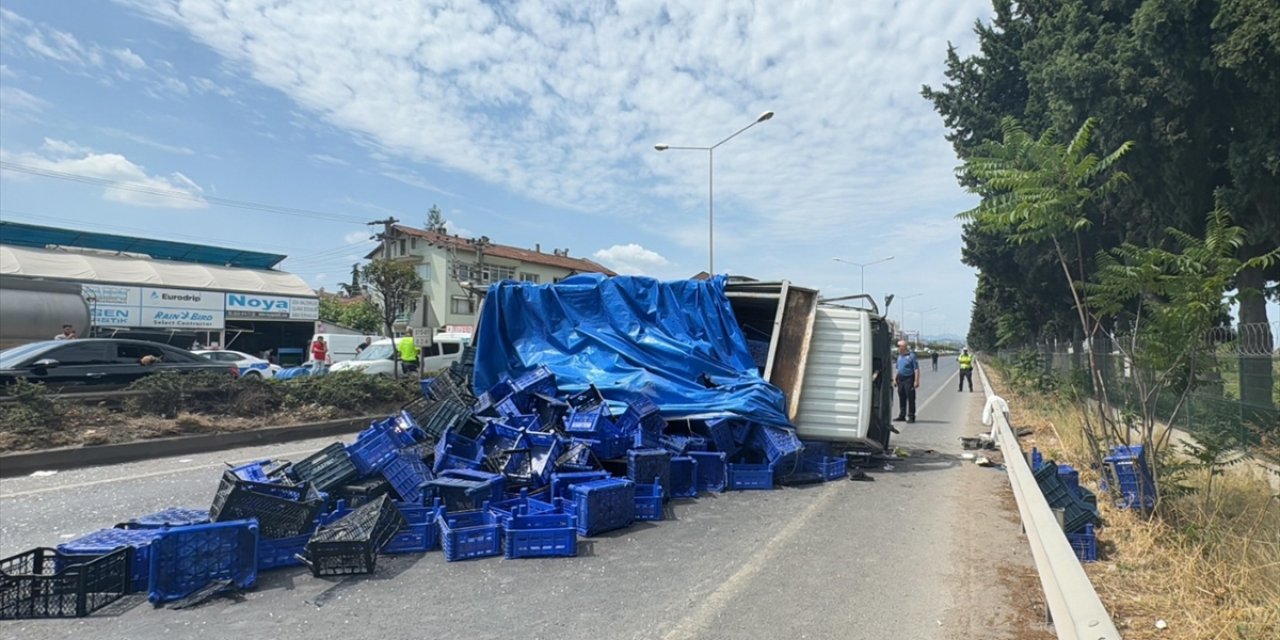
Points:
(377, 358)
(248, 366)
(102, 362)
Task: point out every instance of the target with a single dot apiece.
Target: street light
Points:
(863, 268)
(920, 338)
(904, 310)
(711, 226)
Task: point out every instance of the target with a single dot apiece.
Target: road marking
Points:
(935, 393)
(140, 476)
(692, 625)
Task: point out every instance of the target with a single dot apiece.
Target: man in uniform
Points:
(966, 369)
(907, 379)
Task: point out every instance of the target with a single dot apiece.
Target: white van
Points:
(377, 359)
(342, 346)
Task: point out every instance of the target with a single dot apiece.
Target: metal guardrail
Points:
(1074, 607)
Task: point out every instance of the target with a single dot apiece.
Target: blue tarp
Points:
(628, 335)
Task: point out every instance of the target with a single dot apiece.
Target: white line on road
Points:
(140, 476)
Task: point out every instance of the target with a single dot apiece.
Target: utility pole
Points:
(386, 235)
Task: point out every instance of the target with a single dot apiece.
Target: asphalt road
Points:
(930, 549)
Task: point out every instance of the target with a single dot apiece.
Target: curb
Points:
(26, 462)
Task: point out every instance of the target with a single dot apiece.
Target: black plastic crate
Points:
(444, 415)
(358, 493)
(326, 469)
(278, 516)
(41, 583)
(350, 545)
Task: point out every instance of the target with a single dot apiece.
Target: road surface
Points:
(930, 549)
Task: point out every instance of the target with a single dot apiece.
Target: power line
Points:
(178, 195)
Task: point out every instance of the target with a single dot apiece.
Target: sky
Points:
(286, 126)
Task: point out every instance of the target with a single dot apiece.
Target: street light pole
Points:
(711, 193)
(904, 311)
(920, 338)
(862, 267)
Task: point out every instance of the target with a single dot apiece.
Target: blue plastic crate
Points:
(414, 538)
(406, 472)
(742, 431)
(721, 432)
(1037, 459)
(644, 439)
(469, 534)
(1070, 478)
(277, 515)
(454, 451)
(255, 471)
(815, 450)
(1128, 474)
(104, 541)
(649, 499)
(544, 448)
(464, 489)
(541, 535)
(644, 465)
(1075, 512)
(684, 477)
(505, 508)
(373, 449)
(538, 381)
(1085, 544)
(185, 559)
(606, 447)
(560, 482)
(750, 476)
(831, 468)
(281, 552)
(171, 517)
(713, 470)
(590, 423)
(777, 444)
(604, 505)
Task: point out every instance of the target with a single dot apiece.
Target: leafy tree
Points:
(435, 220)
(363, 316)
(353, 288)
(396, 287)
(331, 309)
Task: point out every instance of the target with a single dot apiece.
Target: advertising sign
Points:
(181, 309)
(111, 305)
(259, 307)
(304, 309)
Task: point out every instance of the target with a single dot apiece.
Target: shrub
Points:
(168, 393)
(32, 408)
(349, 390)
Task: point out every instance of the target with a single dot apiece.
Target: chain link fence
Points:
(1231, 383)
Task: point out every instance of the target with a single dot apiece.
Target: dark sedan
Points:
(104, 362)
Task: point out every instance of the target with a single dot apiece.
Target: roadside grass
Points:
(1208, 564)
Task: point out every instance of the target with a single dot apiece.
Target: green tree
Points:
(363, 316)
(435, 220)
(331, 309)
(395, 287)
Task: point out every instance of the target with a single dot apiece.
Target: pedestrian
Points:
(933, 355)
(68, 333)
(319, 351)
(966, 369)
(364, 345)
(408, 354)
(907, 381)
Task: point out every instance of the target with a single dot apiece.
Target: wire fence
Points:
(1229, 384)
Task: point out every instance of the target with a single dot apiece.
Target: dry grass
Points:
(1208, 565)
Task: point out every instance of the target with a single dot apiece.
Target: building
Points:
(456, 271)
(174, 292)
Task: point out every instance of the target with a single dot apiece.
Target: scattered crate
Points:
(684, 477)
(643, 465)
(42, 584)
(830, 468)
(362, 491)
(1075, 512)
(281, 552)
(593, 423)
(464, 490)
(649, 499)
(712, 470)
(104, 541)
(1085, 544)
(1070, 478)
(419, 534)
(172, 517)
(326, 469)
(750, 476)
(604, 505)
(777, 444)
(185, 559)
(372, 449)
(405, 473)
(351, 545)
(721, 432)
(455, 451)
(278, 516)
(469, 534)
(541, 535)
(561, 482)
(443, 416)
(1128, 475)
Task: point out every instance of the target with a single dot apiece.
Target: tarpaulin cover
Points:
(628, 335)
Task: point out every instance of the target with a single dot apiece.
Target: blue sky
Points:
(529, 123)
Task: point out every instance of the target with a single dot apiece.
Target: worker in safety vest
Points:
(966, 369)
(408, 353)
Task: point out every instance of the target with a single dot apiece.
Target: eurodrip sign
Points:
(147, 307)
(258, 307)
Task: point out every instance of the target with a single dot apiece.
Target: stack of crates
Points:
(1129, 476)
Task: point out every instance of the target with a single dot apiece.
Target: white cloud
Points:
(205, 85)
(356, 237)
(6, 72)
(562, 102)
(631, 259)
(20, 105)
(324, 158)
(148, 142)
(129, 59)
(454, 229)
(130, 183)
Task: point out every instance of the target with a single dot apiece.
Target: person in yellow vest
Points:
(966, 369)
(408, 354)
